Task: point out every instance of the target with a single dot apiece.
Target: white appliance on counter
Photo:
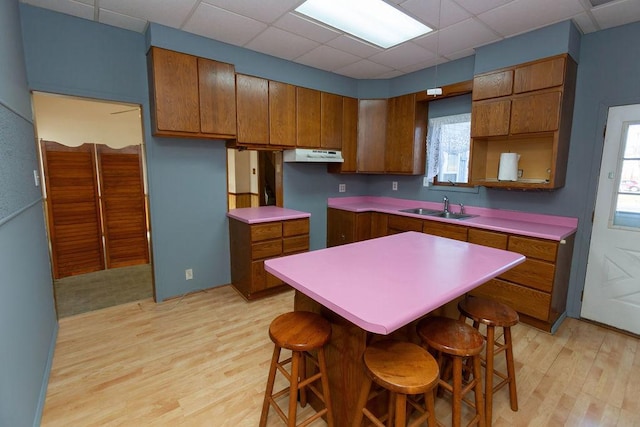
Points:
(312, 155)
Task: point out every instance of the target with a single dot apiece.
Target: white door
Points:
(612, 285)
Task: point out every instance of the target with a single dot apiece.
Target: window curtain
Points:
(440, 141)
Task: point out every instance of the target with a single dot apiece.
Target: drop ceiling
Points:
(272, 27)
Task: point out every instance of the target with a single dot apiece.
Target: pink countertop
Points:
(383, 284)
(265, 214)
(550, 227)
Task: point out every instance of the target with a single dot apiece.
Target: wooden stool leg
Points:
(325, 386)
(391, 409)
(488, 387)
(293, 391)
(429, 400)
(302, 375)
(401, 409)
(362, 402)
(511, 371)
(269, 391)
(457, 392)
(477, 376)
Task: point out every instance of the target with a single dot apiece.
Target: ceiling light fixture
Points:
(372, 20)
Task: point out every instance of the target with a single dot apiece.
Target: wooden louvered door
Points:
(73, 209)
(123, 206)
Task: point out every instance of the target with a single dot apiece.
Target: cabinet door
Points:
(217, 89)
(252, 100)
(349, 135)
(539, 75)
(405, 147)
(174, 77)
(282, 114)
(536, 113)
(330, 121)
(490, 118)
(372, 125)
(341, 226)
(307, 118)
(492, 85)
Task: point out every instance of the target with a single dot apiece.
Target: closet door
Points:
(123, 206)
(73, 209)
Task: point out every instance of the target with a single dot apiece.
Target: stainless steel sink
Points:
(451, 215)
(421, 211)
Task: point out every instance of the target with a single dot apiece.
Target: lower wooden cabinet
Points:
(252, 244)
(347, 227)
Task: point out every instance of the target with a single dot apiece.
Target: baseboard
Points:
(45, 378)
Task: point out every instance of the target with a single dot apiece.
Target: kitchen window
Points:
(448, 142)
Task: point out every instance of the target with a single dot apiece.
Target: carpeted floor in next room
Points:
(100, 289)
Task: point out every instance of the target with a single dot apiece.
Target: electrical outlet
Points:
(188, 274)
(425, 182)
(394, 185)
(342, 188)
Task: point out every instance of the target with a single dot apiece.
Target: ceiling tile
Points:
(122, 21)
(585, 23)
(476, 7)
(463, 35)
(280, 43)
(363, 69)
(301, 26)
(461, 54)
(70, 7)
(617, 13)
(401, 56)
(518, 16)
(428, 11)
(327, 58)
(352, 45)
(219, 24)
(261, 10)
(166, 12)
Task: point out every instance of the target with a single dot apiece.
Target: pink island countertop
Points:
(550, 227)
(383, 284)
(265, 214)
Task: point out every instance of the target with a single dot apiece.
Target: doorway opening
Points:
(96, 201)
(254, 178)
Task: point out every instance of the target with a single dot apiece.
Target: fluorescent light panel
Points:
(372, 20)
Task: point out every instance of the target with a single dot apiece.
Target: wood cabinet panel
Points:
(217, 90)
(405, 135)
(331, 113)
(443, 229)
(400, 224)
(349, 138)
(307, 117)
(532, 273)
(266, 231)
(372, 125)
(252, 103)
(266, 249)
(487, 238)
(282, 114)
(490, 118)
(347, 227)
(492, 85)
(534, 248)
(295, 244)
(294, 227)
(536, 113)
(522, 299)
(539, 75)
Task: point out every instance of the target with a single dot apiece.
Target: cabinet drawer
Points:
(487, 238)
(295, 227)
(269, 230)
(451, 231)
(536, 113)
(402, 223)
(540, 75)
(524, 300)
(533, 273)
(266, 249)
(534, 248)
(492, 85)
(295, 244)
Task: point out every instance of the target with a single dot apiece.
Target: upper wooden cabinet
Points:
(372, 127)
(405, 147)
(525, 109)
(252, 98)
(307, 118)
(191, 96)
(331, 121)
(282, 114)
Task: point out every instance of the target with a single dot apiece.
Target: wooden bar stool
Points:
(301, 332)
(459, 341)
(494, 314)
(403, 369)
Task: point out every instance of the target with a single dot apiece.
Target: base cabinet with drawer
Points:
(252, 244)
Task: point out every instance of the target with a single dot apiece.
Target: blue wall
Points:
(27, 315)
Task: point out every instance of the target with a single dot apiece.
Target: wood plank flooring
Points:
(203, 360)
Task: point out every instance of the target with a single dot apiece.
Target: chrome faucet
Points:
(445, 201)
(461, 208)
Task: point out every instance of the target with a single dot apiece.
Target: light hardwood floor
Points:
(203, 360)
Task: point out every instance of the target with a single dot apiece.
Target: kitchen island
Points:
(381, 287)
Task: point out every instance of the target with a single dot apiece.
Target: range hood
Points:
(311, 155)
